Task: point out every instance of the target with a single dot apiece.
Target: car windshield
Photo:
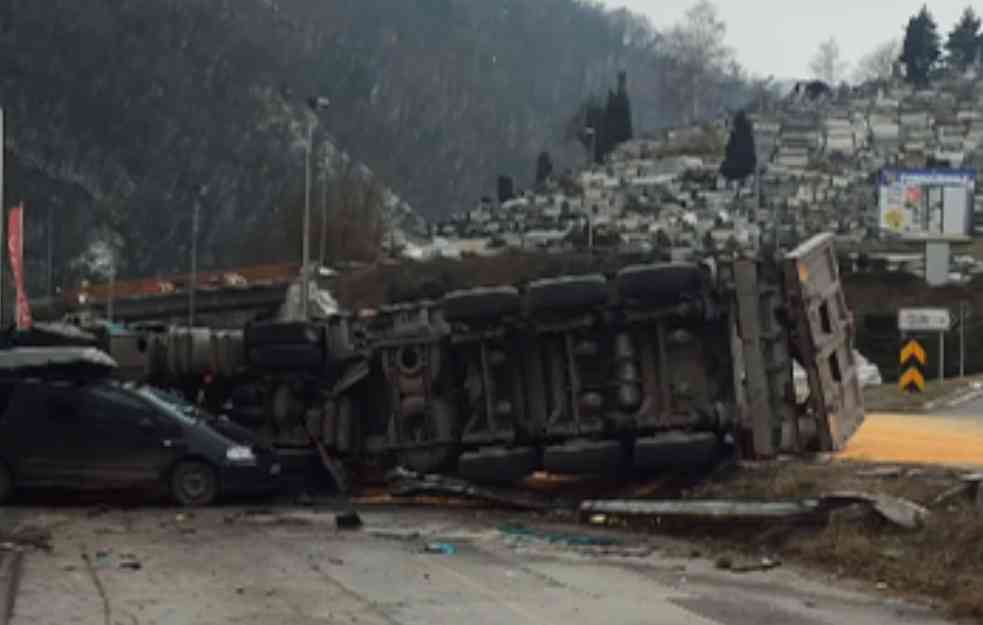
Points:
(173, 402)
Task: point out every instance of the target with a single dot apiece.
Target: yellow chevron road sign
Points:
(913, 360)
(912, 380)
(913, 349)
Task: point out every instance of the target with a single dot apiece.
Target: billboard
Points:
(927, 203)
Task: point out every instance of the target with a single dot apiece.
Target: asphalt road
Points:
(292, 567)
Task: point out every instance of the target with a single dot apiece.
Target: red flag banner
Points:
(15, 243)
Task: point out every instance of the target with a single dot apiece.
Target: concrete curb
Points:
(955, 400)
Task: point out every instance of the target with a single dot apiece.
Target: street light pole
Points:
(304, 273)
(315, 104)
(193, 286)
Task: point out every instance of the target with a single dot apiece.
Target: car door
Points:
(44, 433)
(128, 442)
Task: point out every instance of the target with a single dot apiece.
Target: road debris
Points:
(348, 520)
(404, 483)
(562, 538)
(446, 549)
(901, 512)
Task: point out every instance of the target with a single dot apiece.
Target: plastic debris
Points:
(446, 549)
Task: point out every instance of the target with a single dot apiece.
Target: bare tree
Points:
(878, 63)
(827, 65)
(698, 52)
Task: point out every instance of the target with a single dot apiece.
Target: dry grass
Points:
(943, 561)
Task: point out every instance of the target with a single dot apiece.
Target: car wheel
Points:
(6, 482)
(194, 484)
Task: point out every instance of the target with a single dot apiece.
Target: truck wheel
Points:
(482, 303)
(498, 465)
(676, 451)
(567, 293)
(663, 284)
(584, 458)
(6, 482)
(444, 447)
(194, 483)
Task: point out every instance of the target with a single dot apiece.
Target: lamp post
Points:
(193, 281)
(316, 103)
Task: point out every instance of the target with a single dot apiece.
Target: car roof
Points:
(66, 363)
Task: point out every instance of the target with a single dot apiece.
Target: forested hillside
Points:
(122, 113)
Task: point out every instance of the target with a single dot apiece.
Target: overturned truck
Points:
(658, 367)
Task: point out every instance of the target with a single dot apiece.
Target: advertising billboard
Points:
(927, 203)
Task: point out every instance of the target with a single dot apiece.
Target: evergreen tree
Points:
(595, 122)
(506, 189)
(617, 116)
(921, 49)
(740, 158)
(544, 168)
(963, 44)
(611, 121)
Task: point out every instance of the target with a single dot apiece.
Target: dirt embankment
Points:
(941, 562)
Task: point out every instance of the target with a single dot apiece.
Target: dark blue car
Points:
(95, 434)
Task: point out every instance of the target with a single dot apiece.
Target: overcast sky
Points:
(779, 37)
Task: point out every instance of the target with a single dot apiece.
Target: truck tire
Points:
(498, 465)
(287, 357)
(676, 451)
(566, 293)
(482, 303)
(662, 284)
(445, 448)
(284, 333)
(584, 458)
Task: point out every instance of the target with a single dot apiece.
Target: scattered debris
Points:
(446, 549)
(959, 490)
(901, 512)
(348, 520)
(403, 483)
(578, 540)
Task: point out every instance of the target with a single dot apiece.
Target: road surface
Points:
(292, 567)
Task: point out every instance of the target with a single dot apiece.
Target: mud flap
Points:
(822, 337)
